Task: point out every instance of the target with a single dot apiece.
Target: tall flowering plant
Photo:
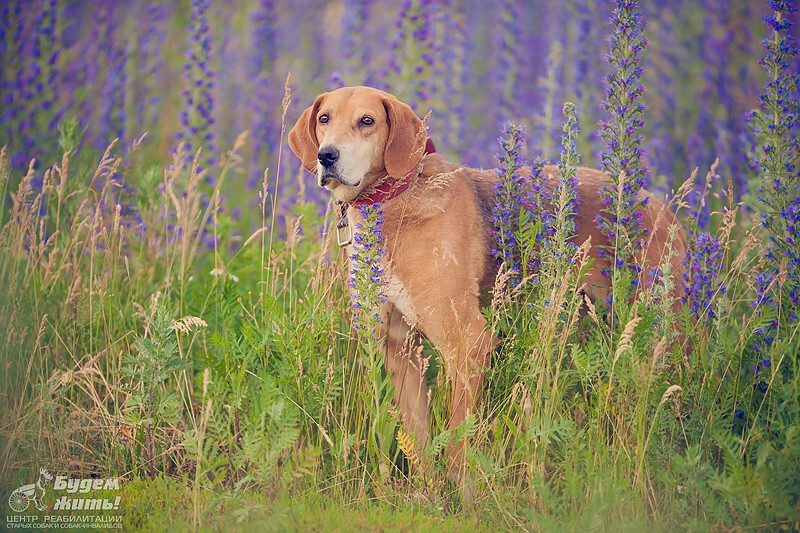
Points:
(355, 42)
(508, 196)
(366, 273)
(368, 299)
(560, 273)
(565, 197)
(452, 69)
(509, 61)
(30, 59)
(703, 263)
(196, 117)
(263, 56)
(150, 57)
(775, 126)
(112, 99)
(519, 217)
(411, 62)
(622, 159)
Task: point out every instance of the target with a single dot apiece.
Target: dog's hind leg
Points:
(406, 365)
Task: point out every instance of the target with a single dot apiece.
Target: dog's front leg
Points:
(406, 366)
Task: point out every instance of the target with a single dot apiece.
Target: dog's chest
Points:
(392, 287)
(419, 261)
(398, 294)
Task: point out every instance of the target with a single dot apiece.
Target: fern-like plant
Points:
(157, 358)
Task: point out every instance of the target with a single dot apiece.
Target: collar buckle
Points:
(344, 232)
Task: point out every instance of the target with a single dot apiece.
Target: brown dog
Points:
(365, 146)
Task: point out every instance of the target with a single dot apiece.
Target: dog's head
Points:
(353, 136)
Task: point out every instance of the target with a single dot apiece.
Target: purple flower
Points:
(703, 263)
(565, 195)
(112, 98)
(356, 43)
(152, 65)
(452, 70)
(620, 132)
(29, 53)
(407, 72)
(265, 101)
(509, 56)
(393, 65)
(197, 119)
(520, 207)
(366, 275)
(335, 80)
(775, 127)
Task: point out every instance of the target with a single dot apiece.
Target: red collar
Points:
(391, 187)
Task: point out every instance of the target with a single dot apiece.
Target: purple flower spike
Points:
(520, 205)
(775, 127)
(624, 155)
(366, 276)
(703, 262)
(198, 78)
(265, 102)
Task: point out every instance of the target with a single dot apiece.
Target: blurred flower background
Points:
(201, 72)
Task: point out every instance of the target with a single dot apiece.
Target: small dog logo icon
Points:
(21, 497)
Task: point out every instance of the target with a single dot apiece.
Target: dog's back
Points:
(656, 216)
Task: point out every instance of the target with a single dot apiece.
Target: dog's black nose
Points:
(328, 155)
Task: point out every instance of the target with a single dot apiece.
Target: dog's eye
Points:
(323, 118)
(367, 121)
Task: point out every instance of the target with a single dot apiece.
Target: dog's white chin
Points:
(342, 189)
(343, 192)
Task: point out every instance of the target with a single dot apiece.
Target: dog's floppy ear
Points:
(303, 137)
(406, 143)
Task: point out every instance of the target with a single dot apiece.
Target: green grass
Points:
(165, 504)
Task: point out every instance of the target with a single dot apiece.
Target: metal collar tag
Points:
(344, 233)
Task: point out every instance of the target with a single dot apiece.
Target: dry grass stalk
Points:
(187, 323)
(671, 391)
(626, 339)
(591, 309)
